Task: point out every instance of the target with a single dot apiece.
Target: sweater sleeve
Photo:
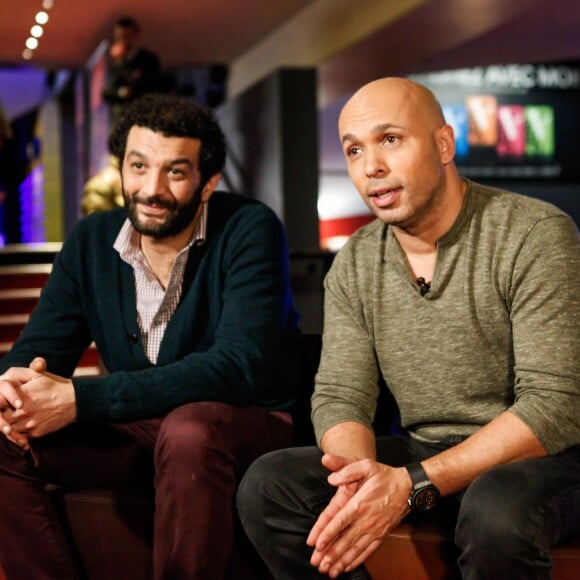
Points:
(545, 316)
(222, 341)
(348, 377)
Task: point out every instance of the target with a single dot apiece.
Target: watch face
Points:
(426, 498)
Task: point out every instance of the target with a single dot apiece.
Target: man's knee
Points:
(249, 491)
(273, 483)
(194, 434)
(495, 517)
(264, 478)
(496, 502)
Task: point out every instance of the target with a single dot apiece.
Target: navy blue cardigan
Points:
(222, 343)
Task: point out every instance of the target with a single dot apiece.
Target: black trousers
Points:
(505, 522)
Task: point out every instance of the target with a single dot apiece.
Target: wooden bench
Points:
(427, 552)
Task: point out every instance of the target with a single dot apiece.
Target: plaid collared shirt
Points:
(155, 304)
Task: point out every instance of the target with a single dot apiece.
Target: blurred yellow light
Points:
(41, 18)
(36, 31)
(31, 43)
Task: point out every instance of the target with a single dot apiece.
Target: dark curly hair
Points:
(173, 116)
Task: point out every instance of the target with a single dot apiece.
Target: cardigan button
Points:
(133, 338)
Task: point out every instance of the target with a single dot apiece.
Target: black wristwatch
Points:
(424, 495)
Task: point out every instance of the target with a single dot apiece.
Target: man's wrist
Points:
(424, 494)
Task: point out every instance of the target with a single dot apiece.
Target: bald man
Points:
(465, 300)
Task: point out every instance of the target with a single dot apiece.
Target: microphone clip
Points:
(424, 286)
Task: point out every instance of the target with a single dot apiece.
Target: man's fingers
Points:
(19, 440)
(362, 557)
(334, 565)
(13, 435)
(19, 375)
(323, 520)
(9, 395)
(333, 529)
(334, 462)
(351, 473)
(350, 550)
(38, 364)
(337, 502)
(338, 554)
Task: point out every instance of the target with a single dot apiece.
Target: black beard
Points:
(179, 218)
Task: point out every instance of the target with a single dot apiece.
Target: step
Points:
(20, 287)
(90, 363)
(43, 253)
(24, 276)
(18, 300)
(11, 326)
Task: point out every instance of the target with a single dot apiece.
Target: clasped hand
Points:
(34, 402)
(370, 502)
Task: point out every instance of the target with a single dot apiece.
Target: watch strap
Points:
(417, 474)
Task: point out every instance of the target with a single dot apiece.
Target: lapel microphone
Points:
(423, 285)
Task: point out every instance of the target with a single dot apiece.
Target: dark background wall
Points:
(272, 137)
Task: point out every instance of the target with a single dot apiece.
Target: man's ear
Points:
(446, 141)
(210, 187)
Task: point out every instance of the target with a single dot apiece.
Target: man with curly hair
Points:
(163, 287)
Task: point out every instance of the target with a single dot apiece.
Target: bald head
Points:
(398, 98)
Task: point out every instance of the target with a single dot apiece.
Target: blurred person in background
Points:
(132, 70)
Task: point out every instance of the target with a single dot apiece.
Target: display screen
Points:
(515, 121)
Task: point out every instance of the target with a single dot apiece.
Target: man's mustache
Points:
(157, 200)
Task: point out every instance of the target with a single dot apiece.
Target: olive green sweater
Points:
(498, 330)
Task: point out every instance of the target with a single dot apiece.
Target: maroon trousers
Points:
(195, 457)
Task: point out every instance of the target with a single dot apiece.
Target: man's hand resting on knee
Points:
(370, 502)
(34, 402)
